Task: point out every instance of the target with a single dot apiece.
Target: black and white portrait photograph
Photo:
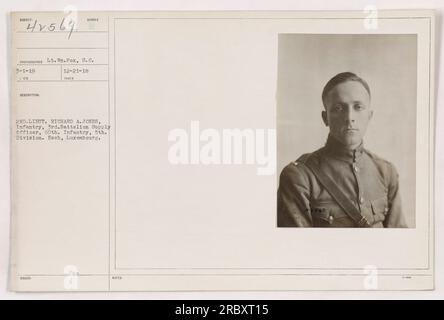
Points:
(346, 127)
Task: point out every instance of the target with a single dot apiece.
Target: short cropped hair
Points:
(340, 78)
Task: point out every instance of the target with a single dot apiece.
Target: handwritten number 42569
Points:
(52, 27)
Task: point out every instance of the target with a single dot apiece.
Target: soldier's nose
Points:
(350, 115)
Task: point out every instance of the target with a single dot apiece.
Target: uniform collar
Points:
(337, 150)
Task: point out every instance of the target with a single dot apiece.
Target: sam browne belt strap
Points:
(342, 200)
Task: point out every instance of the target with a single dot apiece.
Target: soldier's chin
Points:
(350, 141)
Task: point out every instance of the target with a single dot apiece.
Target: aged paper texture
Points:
(147, 149)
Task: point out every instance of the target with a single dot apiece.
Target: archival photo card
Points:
(222, 151)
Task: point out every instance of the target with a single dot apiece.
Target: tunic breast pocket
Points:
(380, 209)
(329, 215)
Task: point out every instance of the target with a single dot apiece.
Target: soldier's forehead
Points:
(349, 90)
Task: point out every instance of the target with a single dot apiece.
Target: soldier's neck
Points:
(338, 150)
(353, 147)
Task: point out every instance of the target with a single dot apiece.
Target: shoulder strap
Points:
(338, 195)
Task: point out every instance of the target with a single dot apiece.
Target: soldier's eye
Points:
(359, 107)
(338, 108)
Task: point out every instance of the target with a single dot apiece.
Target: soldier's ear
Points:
(324, 117)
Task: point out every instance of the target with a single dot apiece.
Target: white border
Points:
(203, 5)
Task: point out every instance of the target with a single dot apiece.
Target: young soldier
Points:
(342, 184)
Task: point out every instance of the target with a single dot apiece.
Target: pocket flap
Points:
(320, 212)
(380, 206)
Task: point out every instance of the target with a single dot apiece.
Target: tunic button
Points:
(361, 200)
(356, 168)
(386, 209)
(330, 219)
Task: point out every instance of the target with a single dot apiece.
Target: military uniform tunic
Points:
(369, 182)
